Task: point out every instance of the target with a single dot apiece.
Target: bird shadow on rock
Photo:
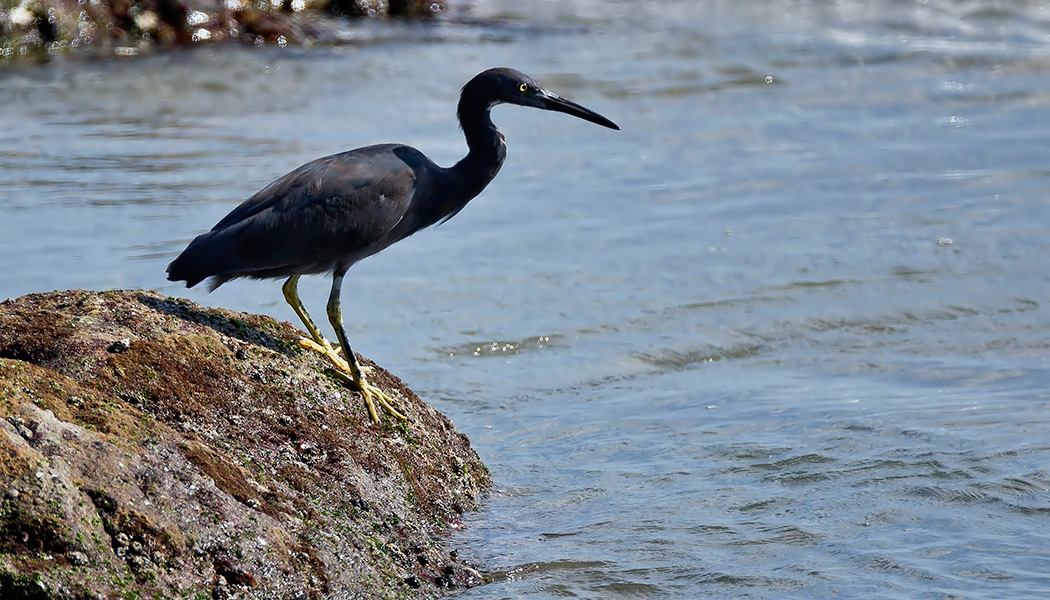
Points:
(242, 327)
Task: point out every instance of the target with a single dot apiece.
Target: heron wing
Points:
(317, 181)
(328, 213)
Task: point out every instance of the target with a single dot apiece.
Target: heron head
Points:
(503, 85)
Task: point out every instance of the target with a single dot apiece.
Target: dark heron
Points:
(331, 212)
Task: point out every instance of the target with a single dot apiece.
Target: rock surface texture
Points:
(154, 448)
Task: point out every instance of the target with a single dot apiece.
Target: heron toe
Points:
(326, 349)
(312, 345)
(371, 393)
(332, 352)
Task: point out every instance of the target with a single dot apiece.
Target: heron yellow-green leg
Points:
(371, 393)
(348, 370)
(318, 343)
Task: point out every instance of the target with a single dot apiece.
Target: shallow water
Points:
(784, 335)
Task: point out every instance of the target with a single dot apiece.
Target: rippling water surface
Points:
(784, 335)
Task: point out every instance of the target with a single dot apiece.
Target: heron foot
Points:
(371, 393)
(329, 350)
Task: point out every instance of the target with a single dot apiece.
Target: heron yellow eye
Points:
(523, 87)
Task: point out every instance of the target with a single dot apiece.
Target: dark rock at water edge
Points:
(151, 447)
(42, 27)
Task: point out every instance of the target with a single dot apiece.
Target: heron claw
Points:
(370, 392)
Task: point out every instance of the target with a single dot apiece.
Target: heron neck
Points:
(487, 150)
